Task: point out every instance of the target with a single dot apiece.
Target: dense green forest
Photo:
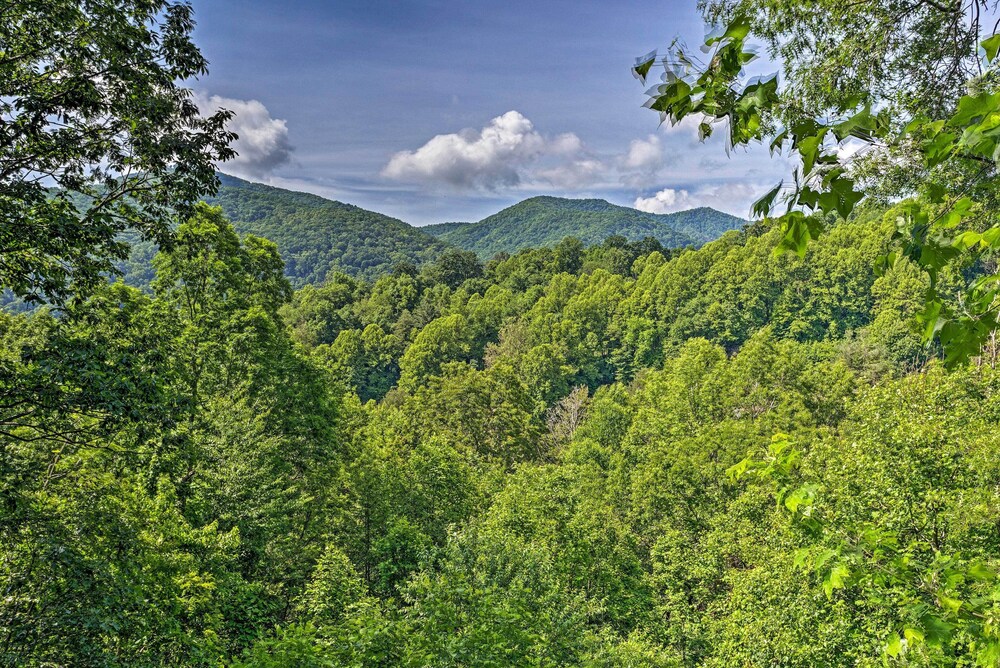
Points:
(544, 221)
(776, 448)
(318, 238)
(477, 465)
(315, 236)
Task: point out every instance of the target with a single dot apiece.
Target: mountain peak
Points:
(545, 220)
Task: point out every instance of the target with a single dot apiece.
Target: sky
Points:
(449, 111)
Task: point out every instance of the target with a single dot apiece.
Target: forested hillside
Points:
(317, 236)
(350, 444)
(504, 462)
(544, 221)
(437, 229)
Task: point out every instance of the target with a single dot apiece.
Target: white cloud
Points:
(733, 198)
(502, 154)
(667, 200)
(263, 142)
(567, 144)
(646, 160)
(511, 155)
(644, 154)
(573, 175)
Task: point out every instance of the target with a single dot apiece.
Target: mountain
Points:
(544, 221)
(703, 224)
(438, 229)
(317, 236)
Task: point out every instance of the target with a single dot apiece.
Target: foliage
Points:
(466, 462)
(517, 462)
(948, 138)
(90, 103)
(544, 221)
(319, 237)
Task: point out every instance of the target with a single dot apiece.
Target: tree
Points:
(446, 339)
(453, 267)
(916, 99)
(915, 56)
(96, 136)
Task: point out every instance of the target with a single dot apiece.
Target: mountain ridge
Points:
(545, 220)
(317, 236)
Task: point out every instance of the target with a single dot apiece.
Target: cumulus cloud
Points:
(496, 156)
(510, 153)
(733, 198)
(575, 174)
(642, 163)
(263, 142)
(644, 154)
(667, 200)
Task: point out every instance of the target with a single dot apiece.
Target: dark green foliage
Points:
(90, 98)
(439, 229)
(319, 237)
(544, 221)
(525, 458)
(160, 459)
(921, 117)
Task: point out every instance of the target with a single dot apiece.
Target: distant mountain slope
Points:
(317, 236)
(439, 229)
(544, 221)
(703, 224)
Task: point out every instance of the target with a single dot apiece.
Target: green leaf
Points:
(809, 151)
(971, 107)
(935, 193)
(991, 237)
(799, 231)
(991, 45)
(938, 149)
(952, 605)
(801, 498)
(982, 572)
(857, 126)
(835, 579)
(778, 142)
(642, 66)
(762, 207)
(958, 211)
(936, 630)
(931, 318)
(894, 647)
(738, 470)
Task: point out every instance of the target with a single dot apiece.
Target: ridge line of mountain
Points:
(534, 222)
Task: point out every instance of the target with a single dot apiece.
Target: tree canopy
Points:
(608, 454)
(918, 100)
(96, 136)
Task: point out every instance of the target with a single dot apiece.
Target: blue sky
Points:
(439, 111)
